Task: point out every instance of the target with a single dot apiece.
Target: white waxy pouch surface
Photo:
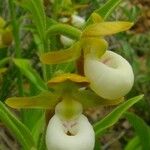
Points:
(111, 76)
(82, 134)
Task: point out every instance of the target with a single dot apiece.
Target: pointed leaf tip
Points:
(106, 28)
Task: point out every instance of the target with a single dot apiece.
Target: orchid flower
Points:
(110, 75)
(68, 129)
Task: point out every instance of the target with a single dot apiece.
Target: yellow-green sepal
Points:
(106, 28)
(71, 77)
(94, 18)
(95, 46)
(89, 99)
(62, 56)
(45, 100)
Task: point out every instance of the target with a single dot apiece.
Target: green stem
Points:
(65, 29)
(47, 70)
(16, 37)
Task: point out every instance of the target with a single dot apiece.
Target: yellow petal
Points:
(62, 56)
(44, 100)
(94, 46)
(70, 77)
(106, 28)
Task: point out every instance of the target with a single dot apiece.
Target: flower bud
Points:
(77, 135)
(66, 41)
(77, 21)
(111, 76)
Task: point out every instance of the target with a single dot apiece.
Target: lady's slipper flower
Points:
(75, 135)
(68, 129)
(111, 76)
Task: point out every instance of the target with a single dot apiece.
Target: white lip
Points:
(57, 139)
(111, 76)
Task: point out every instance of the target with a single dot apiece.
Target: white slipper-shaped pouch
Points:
(111, 76)
(75, 135)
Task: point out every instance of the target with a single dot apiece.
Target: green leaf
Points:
(97, 145)
(141, 128)
(36, 9)
(108, 8)
(114, 116)
(37, 129)
(30, 73)
(46, 100)
(133, 144)
(18, 130)
(103, 11)
(41, 143)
